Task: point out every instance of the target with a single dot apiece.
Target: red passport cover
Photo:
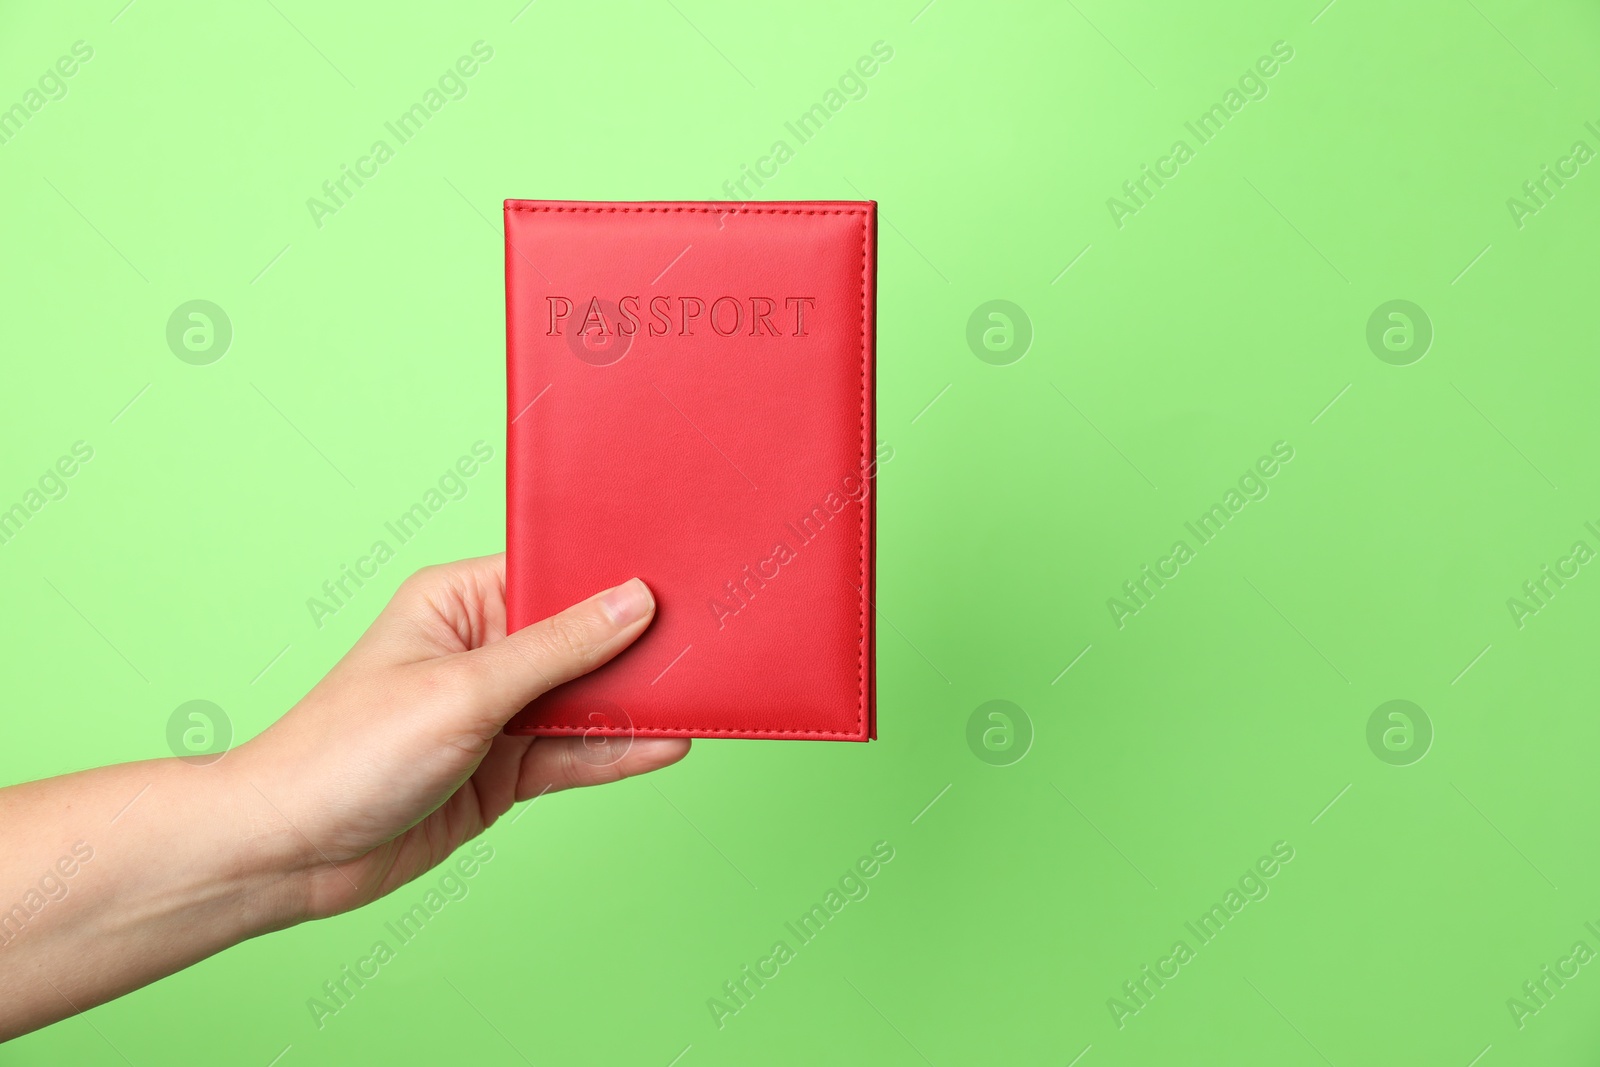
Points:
(690, 401)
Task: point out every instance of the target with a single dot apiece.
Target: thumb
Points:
(520, 667)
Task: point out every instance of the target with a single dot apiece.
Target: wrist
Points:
(258, 858)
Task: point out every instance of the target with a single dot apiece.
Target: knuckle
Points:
(568, 640)
(569, 770)
(420, 576)
(416, 584)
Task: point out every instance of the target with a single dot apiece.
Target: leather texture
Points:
(690, 401)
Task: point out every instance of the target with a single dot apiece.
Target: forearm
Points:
(113, 878)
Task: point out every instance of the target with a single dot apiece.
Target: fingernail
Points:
(628, 602)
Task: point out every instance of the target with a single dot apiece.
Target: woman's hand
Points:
(122, 875)
(397, 757)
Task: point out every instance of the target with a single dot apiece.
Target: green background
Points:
(1227, 314)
